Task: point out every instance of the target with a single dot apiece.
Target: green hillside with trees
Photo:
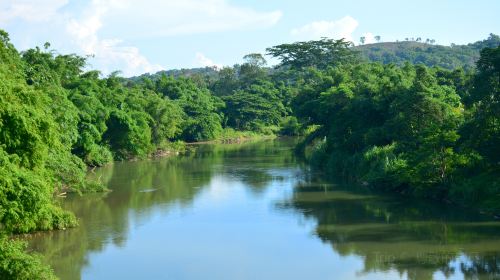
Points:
(413, 50)
(417, 50)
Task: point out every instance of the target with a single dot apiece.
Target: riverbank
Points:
(230, 136)
(479, 203)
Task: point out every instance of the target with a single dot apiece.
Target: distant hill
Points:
(449, 57)
(209, 72)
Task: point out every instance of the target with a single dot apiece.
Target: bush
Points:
(15, 263)
(203, 128)
(290, 126)
(26, 199)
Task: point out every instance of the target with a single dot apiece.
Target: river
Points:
(254, 211)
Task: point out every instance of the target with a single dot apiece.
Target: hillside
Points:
(448, 57)
(176, 73)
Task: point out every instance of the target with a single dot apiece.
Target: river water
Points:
(254, 211)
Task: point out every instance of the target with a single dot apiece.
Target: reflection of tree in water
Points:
(487, 266)
(142, 188)
(256, 164)
(412, 237)
(138, 189)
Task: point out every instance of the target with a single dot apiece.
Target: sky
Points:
(139, 36)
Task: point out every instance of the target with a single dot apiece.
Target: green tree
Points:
(483, 125)
(255, 107)
(321, 53)
(203, 120)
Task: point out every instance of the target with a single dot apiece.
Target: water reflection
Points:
(245, 211)
(143, 189)
(418, 239)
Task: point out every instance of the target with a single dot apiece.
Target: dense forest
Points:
(393, 126)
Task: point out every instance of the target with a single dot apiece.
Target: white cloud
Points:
(109, 54)
(173, 17)
(105, 28)
(30, 10)
(338, 29)
(203, 61)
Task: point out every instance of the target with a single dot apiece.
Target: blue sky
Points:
(137, 36)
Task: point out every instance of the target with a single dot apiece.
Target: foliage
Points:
(481, 134)
(16, 264)
(201, 110)
(290, 126)
(320, 54)
(34, 153)
(255, 107)
(406, 129)
(483, 126)
(26, 199)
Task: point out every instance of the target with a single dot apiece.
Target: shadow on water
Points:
(417, 239)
